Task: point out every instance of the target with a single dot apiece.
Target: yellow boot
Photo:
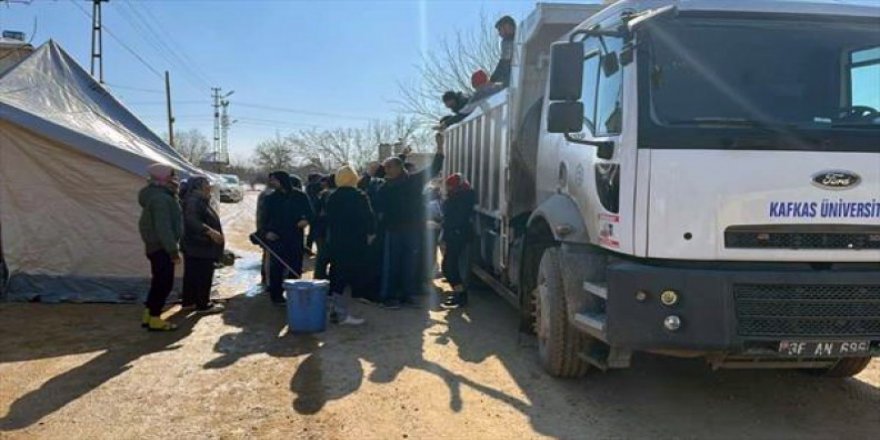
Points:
(145, 320)
(158, 324)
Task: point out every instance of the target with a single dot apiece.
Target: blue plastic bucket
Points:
(306, 305)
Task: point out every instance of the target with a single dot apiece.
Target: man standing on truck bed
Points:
(401, 202)
(506, 27)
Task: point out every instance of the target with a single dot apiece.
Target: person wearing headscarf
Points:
(286, 213)
(458, 211)
(160, 228)
(202, 246)
(350, 228)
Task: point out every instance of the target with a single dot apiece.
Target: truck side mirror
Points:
(566, 71)
(605, 150)
(610, 64)
(565, 117)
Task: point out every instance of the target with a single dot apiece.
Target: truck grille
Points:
(800, 240)
(807, 310)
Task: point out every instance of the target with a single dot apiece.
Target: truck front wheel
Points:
(846, 367)
(559, 344)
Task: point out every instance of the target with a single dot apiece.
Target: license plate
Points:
(824, 349)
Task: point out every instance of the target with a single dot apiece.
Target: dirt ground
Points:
(89, 371)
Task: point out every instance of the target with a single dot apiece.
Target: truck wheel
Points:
(559, 344)
(846, 367)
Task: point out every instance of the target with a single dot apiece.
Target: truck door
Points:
(594, 173)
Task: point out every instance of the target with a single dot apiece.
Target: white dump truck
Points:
(691, 178)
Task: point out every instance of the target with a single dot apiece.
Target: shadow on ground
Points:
(76, 329)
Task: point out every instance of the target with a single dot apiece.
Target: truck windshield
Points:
(764, 76)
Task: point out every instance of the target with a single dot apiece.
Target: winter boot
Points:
(158, 324)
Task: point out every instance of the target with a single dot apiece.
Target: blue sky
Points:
(340, 58)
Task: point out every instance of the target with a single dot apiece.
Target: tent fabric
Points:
(50, 93)
(72, 159)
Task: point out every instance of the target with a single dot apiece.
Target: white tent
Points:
(72, 159)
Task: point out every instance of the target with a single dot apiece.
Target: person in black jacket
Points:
(286, 212)
(328, 185)
(458, 210)
(202, 246)
(313, 190)
(455, 102)
(350, 228)
(401, 206)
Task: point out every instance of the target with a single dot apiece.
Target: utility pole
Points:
(97, 40)
(224, 135)
(170, 115)
(215, 95)
(221, 125)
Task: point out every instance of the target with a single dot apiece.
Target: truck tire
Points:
(559, 344)
(846, 367)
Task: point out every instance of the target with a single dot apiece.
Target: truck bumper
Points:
(740, 310)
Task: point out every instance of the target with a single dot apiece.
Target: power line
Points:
(119, 41)
(174, 48)
(176, 102)
(303, 112)
(135, 89)
(157, 42)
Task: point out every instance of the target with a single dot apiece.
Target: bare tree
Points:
(449, 68)
(273, 154)
(356, 146)
(191, 144)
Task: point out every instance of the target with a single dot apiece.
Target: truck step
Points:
(591, 323)
(599, 289)
(606, 358)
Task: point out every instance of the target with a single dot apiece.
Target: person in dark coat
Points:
(458, 211)
(401, 206)
(350, 228)
(313, 190)
(202, 246)
(286, 213)
(370, 184)
(328, 185)
(264, 267)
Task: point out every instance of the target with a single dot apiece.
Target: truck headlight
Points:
(672, 323)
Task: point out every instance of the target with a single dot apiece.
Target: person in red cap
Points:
(458, 210)
(479, 79)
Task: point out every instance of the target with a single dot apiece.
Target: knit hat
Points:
(479, 79)
(346, 176)
(456, 182)
(160, 173)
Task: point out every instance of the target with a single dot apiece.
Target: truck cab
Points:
(706, 182)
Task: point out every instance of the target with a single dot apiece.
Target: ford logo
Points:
(836, 179)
